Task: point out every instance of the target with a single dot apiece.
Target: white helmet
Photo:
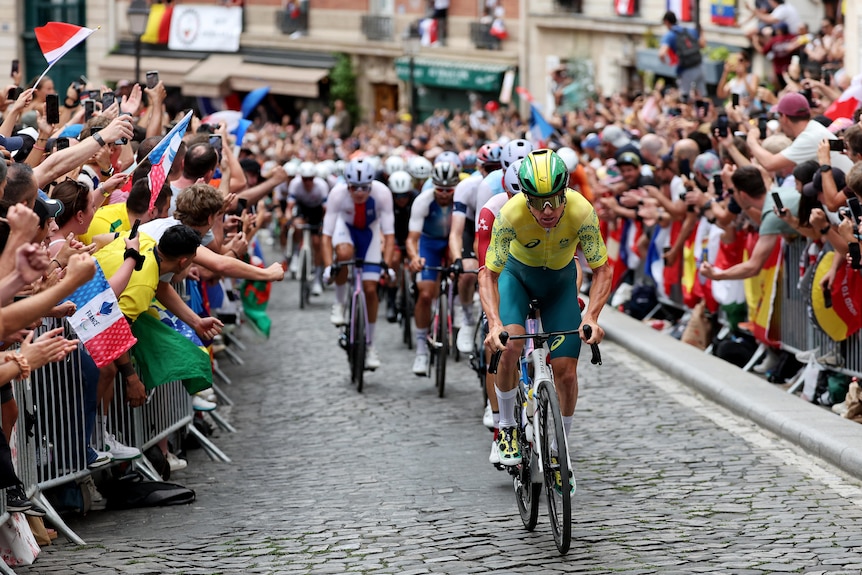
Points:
(290, 168)
(510, 178)
(330, 166)
(322, 170)
(570, 158)
(450, 157)
(419, 167)
(400, 182)
(515, 150)
(375, 162)
(338, 168)
(359, 172)
(307, 170)
(444, 175)
(394, 164)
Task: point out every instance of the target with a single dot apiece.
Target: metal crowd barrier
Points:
(52, 443)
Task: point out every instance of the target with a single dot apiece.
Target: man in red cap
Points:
(794, 119)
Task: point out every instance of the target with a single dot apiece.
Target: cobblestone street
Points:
(396, 480)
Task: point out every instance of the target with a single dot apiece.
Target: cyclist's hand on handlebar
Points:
(457, 266)
(492, 340)
(598, 334)
(416, 264)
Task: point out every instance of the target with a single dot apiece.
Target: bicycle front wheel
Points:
(528, 489)
(406, 305)
(358, 324)
(559, 483)
(442, 344)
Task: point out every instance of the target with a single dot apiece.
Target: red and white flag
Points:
(57, 38)
(98, 321)
(162, 157)
(847, 103)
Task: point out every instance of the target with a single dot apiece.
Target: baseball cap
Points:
(615, 136)
(47, 208)
(817, 182)
(591, 142)
(707, 164)
(12, 143)
(629, 158)
(794, 105)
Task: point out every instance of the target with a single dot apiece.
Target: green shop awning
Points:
(457, 75)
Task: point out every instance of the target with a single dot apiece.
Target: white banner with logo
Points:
(205, 28)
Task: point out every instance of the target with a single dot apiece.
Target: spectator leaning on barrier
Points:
(751, 194)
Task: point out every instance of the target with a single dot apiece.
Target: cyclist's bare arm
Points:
(326, 250)
(489, 295)
(412, 245)
(456, 232)
(600, 291)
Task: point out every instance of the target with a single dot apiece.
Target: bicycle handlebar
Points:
(505, 337)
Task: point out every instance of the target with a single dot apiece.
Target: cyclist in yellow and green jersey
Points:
(531, 257)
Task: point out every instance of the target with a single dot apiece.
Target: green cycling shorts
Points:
(557, 294)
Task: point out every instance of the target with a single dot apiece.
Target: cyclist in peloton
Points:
(484, 225)
(427, 245)
(420, 168)
(358, 219)
(403, 194)
(531, 257)
(306, 197)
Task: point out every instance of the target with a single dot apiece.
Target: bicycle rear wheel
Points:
(405, 302)
(555, 460)
(358, 324)
(528, 489)
(304, 283)
(442, 344)
(477, 358)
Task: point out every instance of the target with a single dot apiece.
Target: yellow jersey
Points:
(517, 234)
(141, 290)
(107, 220)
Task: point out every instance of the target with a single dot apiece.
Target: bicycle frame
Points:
(358, 293)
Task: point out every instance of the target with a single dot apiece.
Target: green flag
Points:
(164, 355)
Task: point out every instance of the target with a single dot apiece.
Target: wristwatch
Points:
(825, 168)
(108, 173)
(99, 140)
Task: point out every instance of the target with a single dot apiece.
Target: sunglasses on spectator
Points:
(539, 203)
(364, 188)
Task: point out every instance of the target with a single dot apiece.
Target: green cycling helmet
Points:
(543, 173)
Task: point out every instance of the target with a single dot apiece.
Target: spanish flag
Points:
(159, 24)
(761, 291)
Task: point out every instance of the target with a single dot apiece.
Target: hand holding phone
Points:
(107, 100)
(734, 100)
(827, 295)
(134, 231)
(776, 199)
(89, 109)
(836, 145)
(16, 67)
(722, 126)
(152, 79)
(762, 127)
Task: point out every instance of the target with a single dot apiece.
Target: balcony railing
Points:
(379, 28)
(292, 22)
(480, 35)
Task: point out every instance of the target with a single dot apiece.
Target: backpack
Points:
(735, 348)
(687, 49)
(133, 491)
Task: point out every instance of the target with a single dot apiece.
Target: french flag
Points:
(682, 9)
(848, 102)
(56, 39)
(98, 321)
(162, 157)
(540, 129)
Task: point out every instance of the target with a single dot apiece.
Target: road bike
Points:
(478, 361)
(544, 449)
(405, 303)
(306, 265)
(354, 334)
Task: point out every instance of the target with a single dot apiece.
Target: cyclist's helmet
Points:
(444, 175)
(543, 173)
(291, 168)
(323, 170)
(510, 178)
(307, 170)
(401, 182)
(570, 158)
(514, 150)
(489, 154)
(468, 159)
(340, 165)
(394, 164)
(419, 167)
(359, 172)
(450, 157)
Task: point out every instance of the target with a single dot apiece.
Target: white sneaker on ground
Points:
(464, 341)
(337, 315)
(316, 287)
(372, 360)
(175, 462)
(207, 394)
(97, 500)
(420, 364)
(118, 451)
(494, 457)
(770, 361)
(201, 404)
(488, 417)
